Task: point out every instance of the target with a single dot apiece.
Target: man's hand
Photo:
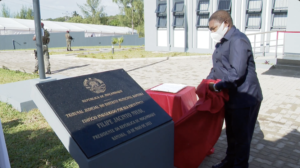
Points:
(211, 86)
(34, 38)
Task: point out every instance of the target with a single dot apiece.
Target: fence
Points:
(275, 43)
(24, 41)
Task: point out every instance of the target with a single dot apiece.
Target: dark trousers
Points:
(240, 125)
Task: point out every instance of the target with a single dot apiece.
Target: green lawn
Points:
(30, 140)
(73, 48)
(137, 52)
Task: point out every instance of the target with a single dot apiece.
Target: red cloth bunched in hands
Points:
(198, 130)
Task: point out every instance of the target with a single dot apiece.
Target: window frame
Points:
(177, 13)
(278, 11)
(273, 17)
(160, 15)
(253, 27)
(284, 9)
(176, 2)
(178, 26)
(198, 20)
(158, 25)
(230, 4)
(255, 10)
(198, 7)
(162, 3)
(252, 12)
(202, 13)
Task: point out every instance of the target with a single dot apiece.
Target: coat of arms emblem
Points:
(95, 85)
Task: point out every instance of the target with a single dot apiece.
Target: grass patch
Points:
(73, 48)
(30, 140)
(53, 51)
(135, 53)
(8, 76)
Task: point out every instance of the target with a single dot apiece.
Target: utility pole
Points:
(38, 33)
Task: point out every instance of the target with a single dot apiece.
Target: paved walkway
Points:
(276, 141)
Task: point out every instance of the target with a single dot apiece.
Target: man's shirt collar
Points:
(229, 33)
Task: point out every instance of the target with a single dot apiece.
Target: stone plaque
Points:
(102, 110)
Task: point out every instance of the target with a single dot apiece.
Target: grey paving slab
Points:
(277, 133)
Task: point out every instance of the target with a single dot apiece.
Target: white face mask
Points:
(219, 34)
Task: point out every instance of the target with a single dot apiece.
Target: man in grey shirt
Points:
(234, 64)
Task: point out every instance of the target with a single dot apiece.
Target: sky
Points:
(58, 8)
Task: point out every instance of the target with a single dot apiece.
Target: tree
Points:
(92, 11)
(114, 41)
(120, 41)
(76, 19)
(75, 14)
(5, 11)
(114, 22)
(132, 13)
(25, 13)
(59, 19)
(30, 14)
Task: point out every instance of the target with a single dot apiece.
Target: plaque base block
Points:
(18, 93)
(151, 149)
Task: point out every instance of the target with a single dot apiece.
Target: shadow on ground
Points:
(69, 68)
(283, 72)
(148, 65)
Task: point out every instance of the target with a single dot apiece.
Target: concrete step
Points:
(286, 67)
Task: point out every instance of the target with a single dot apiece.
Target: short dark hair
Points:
(221, 16)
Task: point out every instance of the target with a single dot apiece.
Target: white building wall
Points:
(194, 39)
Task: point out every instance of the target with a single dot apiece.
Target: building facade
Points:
(182, 25)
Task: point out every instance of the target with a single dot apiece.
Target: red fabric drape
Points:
(176, 105)
(198, 130)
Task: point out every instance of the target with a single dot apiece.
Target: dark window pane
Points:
(203, 5)
(279, 20)
(254, 5)
(178, 21)
(280, 4)
(224, 4)
(162, 21)
(203, 20)
(254, 21)
(178, 7)
(161, 8)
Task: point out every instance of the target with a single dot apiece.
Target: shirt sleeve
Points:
(238, 59)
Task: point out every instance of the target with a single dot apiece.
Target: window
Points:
(253, 14)
(161, 14)
(179, 21)
(280, 5)
(178, 13)
(254, 5)
(279, 14)
(178, 7)
(162, 22)
(253, 21)
(203, 6)
(203, 20)
(161, 8)
(279, 20)
(225, 5)
(202, 13)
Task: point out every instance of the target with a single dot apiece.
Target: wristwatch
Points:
(214, 86)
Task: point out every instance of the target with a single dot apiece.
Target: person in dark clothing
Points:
(234, 64)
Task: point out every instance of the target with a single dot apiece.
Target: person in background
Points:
(68, 39)
(45, 41)
(234, 64)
